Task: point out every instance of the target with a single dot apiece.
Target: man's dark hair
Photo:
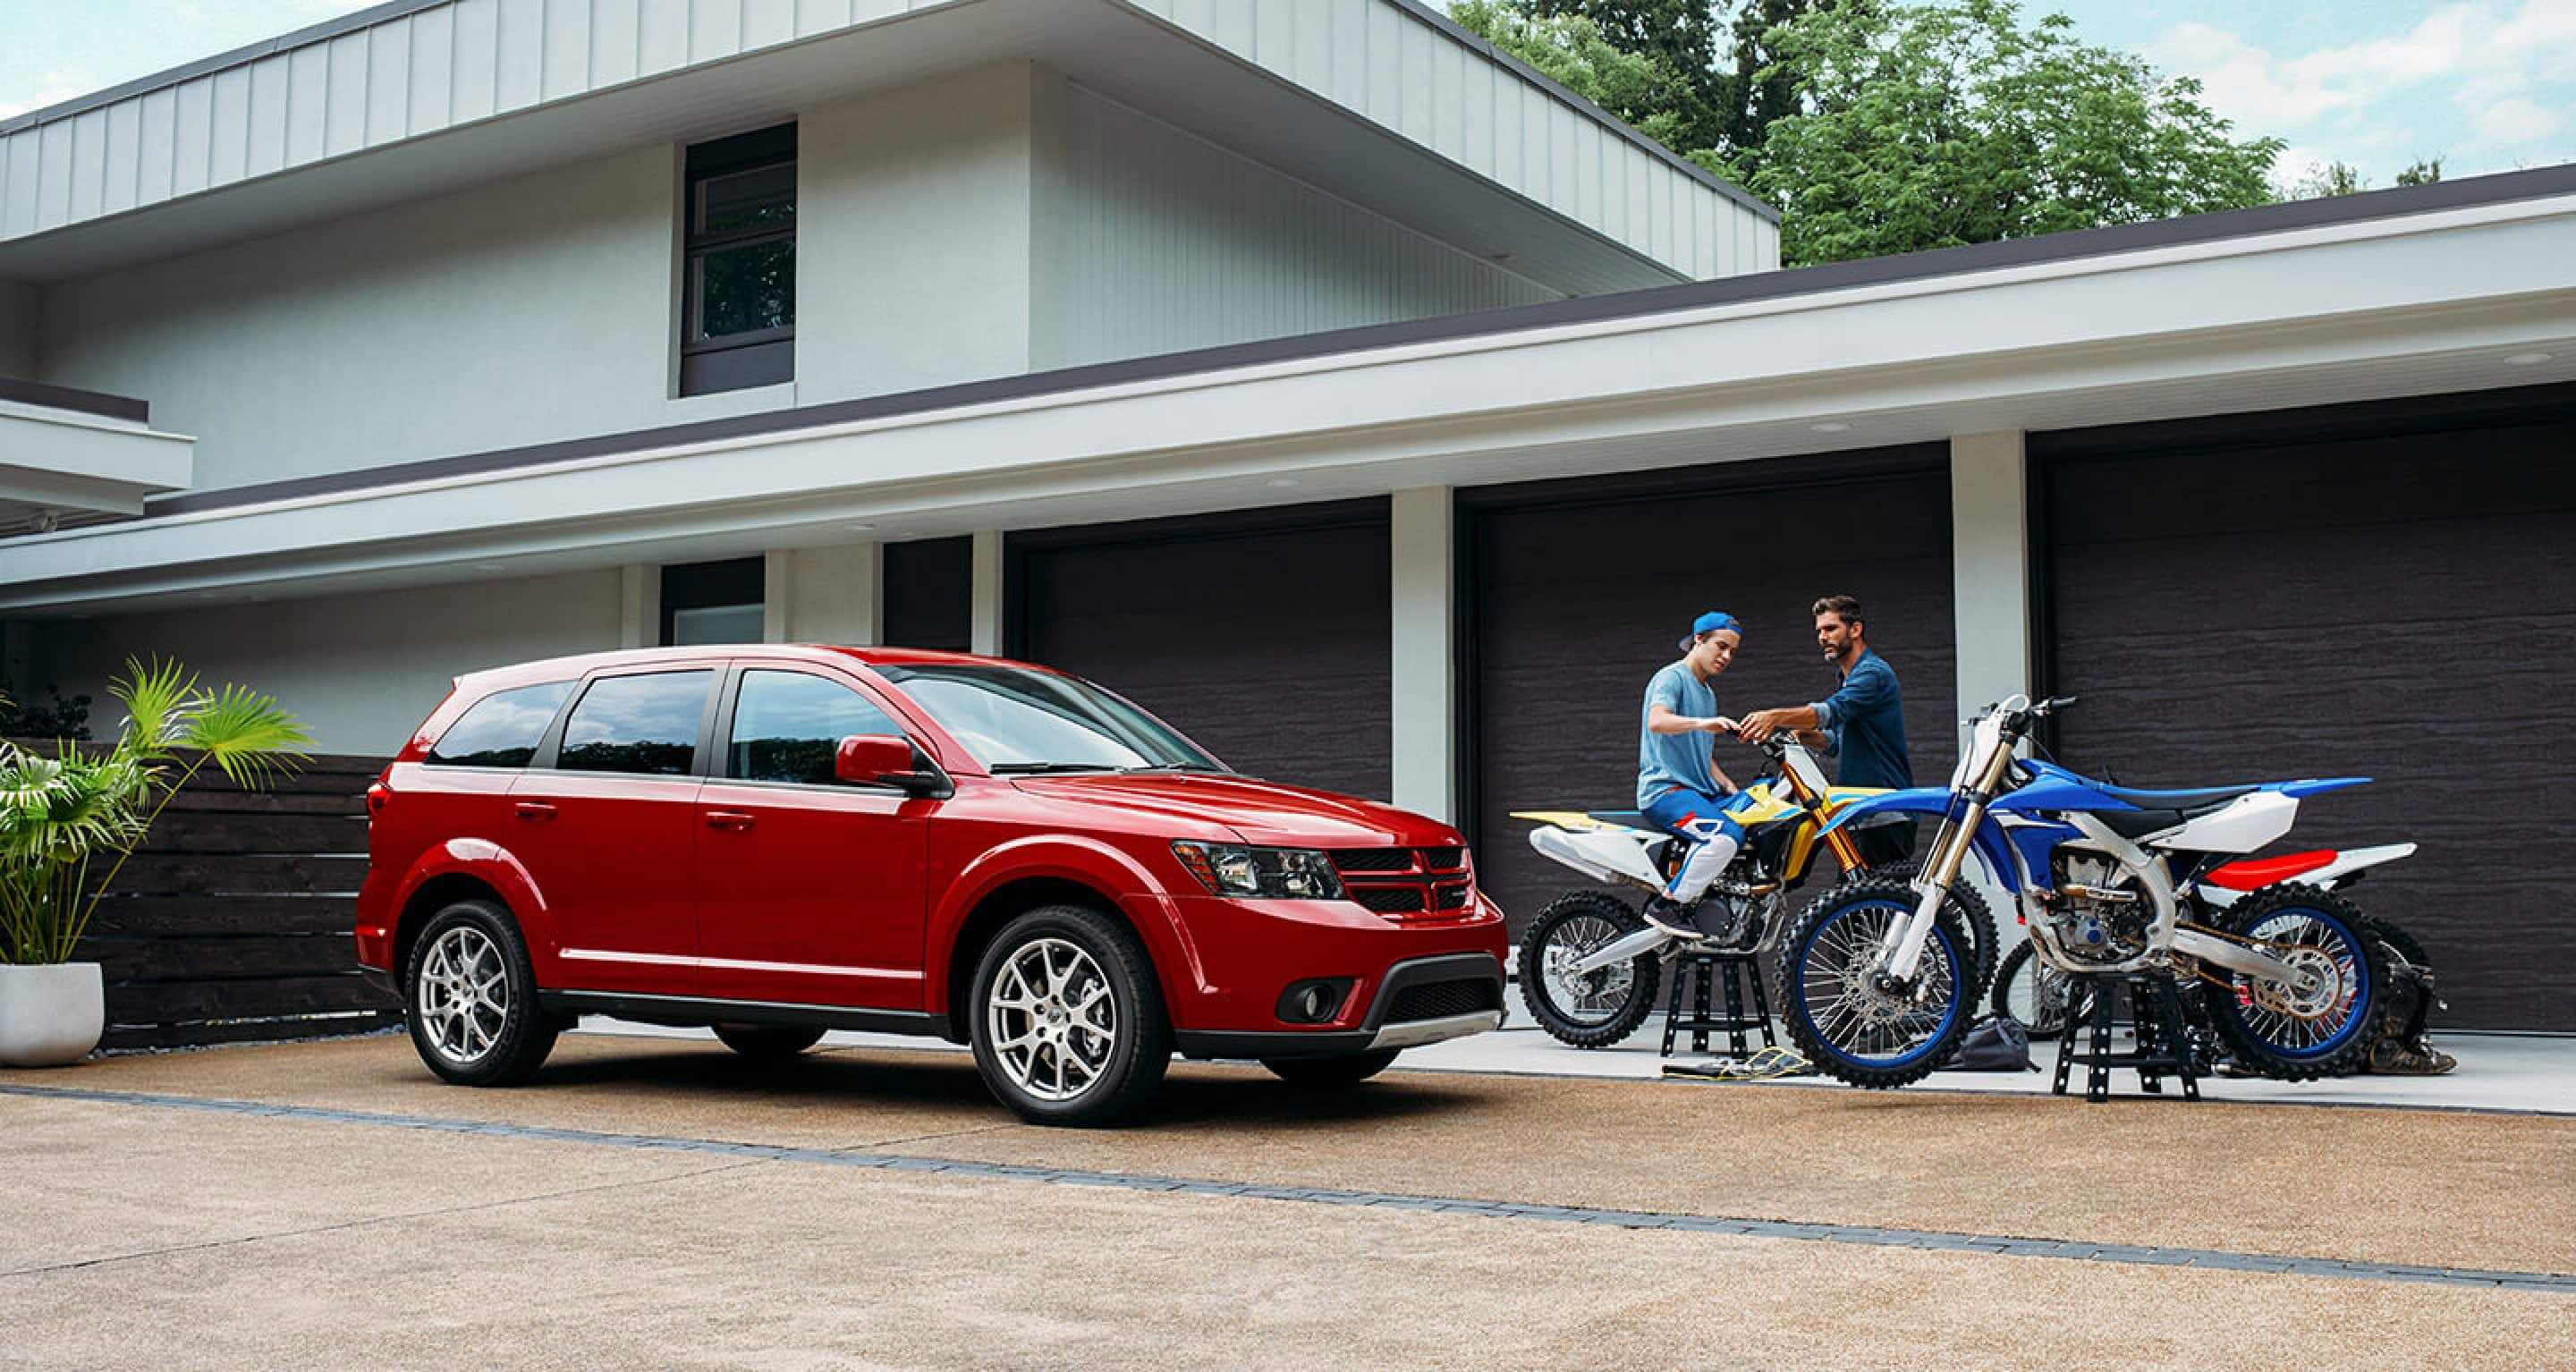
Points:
(1846, 606)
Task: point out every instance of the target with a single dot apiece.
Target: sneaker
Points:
(1674, 918)
(2393, 1057)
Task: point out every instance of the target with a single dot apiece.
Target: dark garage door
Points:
(1265, 638)
(2386, 592)
(1581, 590)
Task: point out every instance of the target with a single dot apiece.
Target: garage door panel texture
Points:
(1269, 648)
(1576, 607)
(2407, 612)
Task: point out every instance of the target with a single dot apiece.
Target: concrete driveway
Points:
(659, 1203)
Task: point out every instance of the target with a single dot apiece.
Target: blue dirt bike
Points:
(1877, 977)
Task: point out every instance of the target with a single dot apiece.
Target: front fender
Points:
(1921, 800)
(1062, 857)
(498, 868)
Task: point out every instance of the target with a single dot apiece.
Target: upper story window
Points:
(738, 277)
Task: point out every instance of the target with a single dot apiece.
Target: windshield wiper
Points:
(1170, 767)
(1037, 768)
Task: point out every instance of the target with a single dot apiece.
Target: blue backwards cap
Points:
(1711, 622)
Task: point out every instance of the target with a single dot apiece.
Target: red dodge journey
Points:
(779, 840)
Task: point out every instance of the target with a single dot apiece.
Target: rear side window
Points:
(646, 724)
(787, 726)
(502, 729)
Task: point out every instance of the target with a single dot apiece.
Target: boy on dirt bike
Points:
(1679, 784)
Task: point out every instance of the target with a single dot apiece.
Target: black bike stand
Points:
(2163, 1034)
(1693, 975)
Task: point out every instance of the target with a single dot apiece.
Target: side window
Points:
(502, 729)
(646, 724)
(787, 725)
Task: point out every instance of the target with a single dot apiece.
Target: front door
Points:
(607, 832)
(810, 890)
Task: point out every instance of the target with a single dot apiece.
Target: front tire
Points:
(1593, 1009)
(472, 998)
(1846, 1025)
(1324, 1074)
(1068, 1021)
(768, 1042)
(1975, 921)
(2277, 1032)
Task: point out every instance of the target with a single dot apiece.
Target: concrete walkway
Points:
(656, 1202)
(2513, 1073)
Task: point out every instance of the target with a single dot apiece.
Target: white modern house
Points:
(1343, 391)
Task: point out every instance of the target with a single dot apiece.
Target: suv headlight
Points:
(1232, 869)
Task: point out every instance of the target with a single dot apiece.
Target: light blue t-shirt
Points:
(1667, 761)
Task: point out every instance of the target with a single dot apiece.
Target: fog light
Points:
(1314, 1002)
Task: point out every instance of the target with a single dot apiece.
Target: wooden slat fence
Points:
(236, 919)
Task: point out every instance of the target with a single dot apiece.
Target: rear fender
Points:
(500, 869)
(1140, 898)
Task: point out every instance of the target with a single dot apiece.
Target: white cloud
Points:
(52, 88)
(2513, 121)
(2498, 50)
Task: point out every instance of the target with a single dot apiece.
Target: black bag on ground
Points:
(1998, 1043)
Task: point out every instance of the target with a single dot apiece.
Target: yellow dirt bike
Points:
(1590, 965)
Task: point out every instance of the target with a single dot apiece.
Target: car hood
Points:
(1262, 811)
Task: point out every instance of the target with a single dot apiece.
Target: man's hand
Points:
(1762, 724)
(1720, 724)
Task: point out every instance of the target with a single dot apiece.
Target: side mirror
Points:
(876, 760)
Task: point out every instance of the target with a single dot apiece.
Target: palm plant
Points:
(62, 817)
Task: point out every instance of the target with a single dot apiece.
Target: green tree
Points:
(1711, 91)
(2333, 178)
(2423, 173)
(1943, 122)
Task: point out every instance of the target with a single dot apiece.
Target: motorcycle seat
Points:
(2156, 819)
(2177, 800)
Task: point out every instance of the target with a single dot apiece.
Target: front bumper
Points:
(1378, 1029)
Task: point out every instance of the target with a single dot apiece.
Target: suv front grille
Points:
(1441, 999)
(1407, 883)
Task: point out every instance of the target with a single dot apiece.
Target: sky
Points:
(2486, 85)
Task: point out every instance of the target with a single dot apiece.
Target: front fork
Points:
(1901, 953)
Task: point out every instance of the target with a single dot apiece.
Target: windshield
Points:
(1016, 720)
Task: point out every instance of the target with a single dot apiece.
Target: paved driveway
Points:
(656, 1203)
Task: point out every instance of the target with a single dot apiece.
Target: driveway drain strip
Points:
(2214, 1259)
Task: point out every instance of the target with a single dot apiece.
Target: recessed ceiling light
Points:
(1283, 482)
(1831, 426)
(2527, 359)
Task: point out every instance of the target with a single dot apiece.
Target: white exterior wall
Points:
(517, 313)
(359, 671)
(912, 237)
(1150, 240)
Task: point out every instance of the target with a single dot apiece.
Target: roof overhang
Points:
(74, 452)
(2457, 299)
(1383, 102)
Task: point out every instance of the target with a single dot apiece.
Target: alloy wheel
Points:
(1052, 1019)
(464, 994)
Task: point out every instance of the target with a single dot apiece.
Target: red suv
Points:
(775, 841)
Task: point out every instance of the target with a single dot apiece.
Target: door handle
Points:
(729, 819)
(534, 809)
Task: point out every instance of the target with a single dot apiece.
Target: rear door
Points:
(810, 890)
(608, 830)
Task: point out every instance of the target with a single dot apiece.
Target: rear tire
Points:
(2032, 992)
(768, 1042)
(1600, 1007)
(2278, 1035)
(472, 998)
(1068, 1021)
(1324, 1074)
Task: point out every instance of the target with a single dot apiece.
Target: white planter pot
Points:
(50, 1015)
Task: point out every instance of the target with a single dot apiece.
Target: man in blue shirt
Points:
(1679, 784)
(1862, 722)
